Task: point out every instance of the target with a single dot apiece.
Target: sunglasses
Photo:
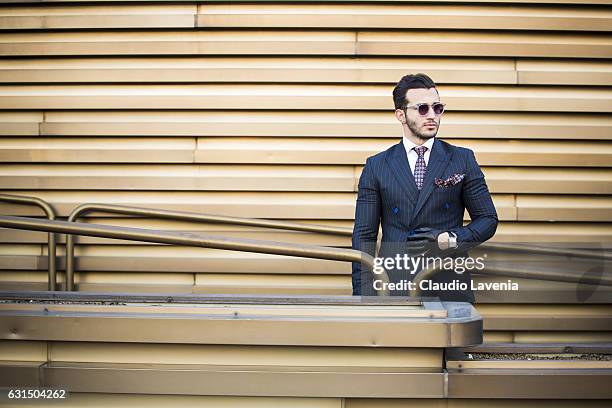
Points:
(423, 108)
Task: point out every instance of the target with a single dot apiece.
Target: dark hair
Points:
(411, 81)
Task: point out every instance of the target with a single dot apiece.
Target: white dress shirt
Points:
(412, 154)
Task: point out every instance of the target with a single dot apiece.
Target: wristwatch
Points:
(452, 240)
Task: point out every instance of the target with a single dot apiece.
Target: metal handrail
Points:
(539, 250)
(182, 216)
(516, 272)
(323, 229)
(197, 240)
(51, 241)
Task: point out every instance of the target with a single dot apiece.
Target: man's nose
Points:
(430, 113)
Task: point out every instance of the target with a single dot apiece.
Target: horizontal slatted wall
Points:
(269, 109)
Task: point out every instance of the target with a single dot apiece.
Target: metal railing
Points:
(517, 272)
(180, 216)
(196, 240)
(322, 229)
(51, 241)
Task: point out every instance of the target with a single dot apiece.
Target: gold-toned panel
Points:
(548, 181)
(244, 355)
(562, 337)
(258, 69)
(147, 150)
(81, 16)
(278, 205)
(540, 232)
(429, 43)
(25, 123)
(277, 178)
(552, 311)
(430, 16)
(471, 403)
(203, 42)
(23, 350)
(351, 151)
(539, 207)
(302, 16)
(282, 284)
(105, 400)
(490, 125)
(492, 44)
(272, 96)
(545, 72)
(173, 177)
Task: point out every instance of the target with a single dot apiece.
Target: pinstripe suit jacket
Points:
(388, 195)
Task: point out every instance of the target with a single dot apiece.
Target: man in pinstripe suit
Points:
(419, 189)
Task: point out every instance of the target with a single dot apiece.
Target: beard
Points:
(423, 135)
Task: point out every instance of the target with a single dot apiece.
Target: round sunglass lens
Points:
(423, 109)
(438, 108)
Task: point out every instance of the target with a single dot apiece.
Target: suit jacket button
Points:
(395, 210)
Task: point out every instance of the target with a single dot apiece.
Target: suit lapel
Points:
(398, 161)
(438, 161)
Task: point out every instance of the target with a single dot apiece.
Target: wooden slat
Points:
(544, 232)
(489, 44)
(353, 124)
(563, 208)
(108, 17)
(270, 151)
(94, 150)
(438, 16)
(25, 123)
(344, 97)
(278, 205)
(276, 178)
(422, 43)
(351, 151)
(257, 69)
(542, 72)
(548, 181)
(323, 70)
(173, 177)
(178, 43)
(280, 284)
(414, 16)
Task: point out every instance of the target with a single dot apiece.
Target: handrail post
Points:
(51, 239)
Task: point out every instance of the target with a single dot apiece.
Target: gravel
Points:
(524, 356)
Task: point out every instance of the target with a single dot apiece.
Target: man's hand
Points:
(423, 238)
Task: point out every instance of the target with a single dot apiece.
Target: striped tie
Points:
(420, 167)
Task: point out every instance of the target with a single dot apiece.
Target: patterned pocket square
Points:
(451, 181)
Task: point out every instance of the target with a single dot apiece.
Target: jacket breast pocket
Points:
(449, 192)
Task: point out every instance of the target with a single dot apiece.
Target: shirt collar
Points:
(408, 145)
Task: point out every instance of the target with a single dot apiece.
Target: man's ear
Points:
(400, 115)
